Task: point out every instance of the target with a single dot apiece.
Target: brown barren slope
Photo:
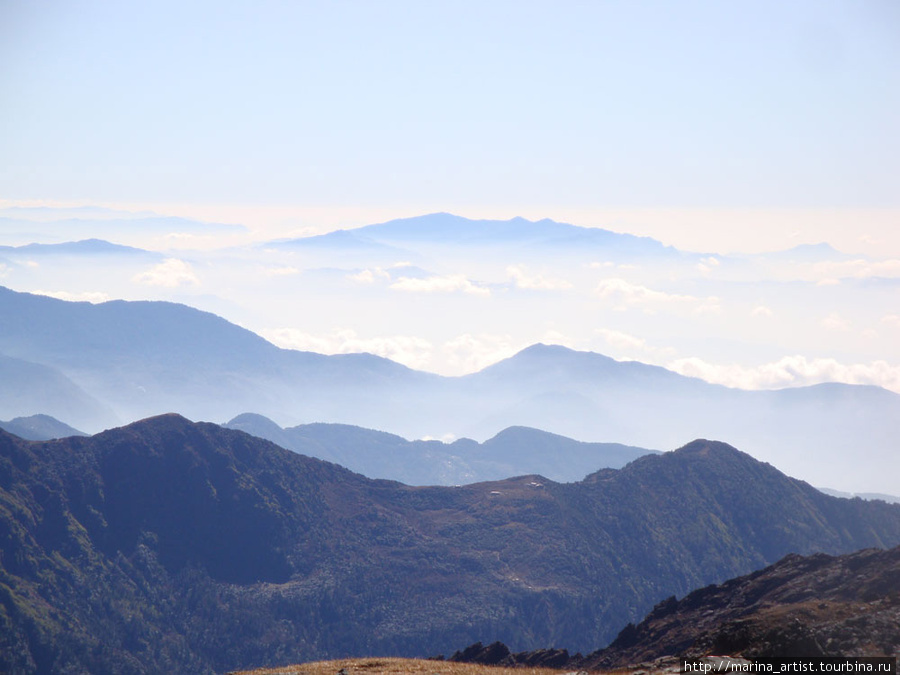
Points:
(391, 666)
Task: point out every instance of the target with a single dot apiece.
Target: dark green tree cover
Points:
(168, 546)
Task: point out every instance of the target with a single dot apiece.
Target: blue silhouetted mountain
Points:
(85, 247)
(39, 428)
(169, 546)
(444, 229)
(377, 454)
(28, 388)
(142, 358)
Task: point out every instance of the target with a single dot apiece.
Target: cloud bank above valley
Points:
(219, 141)
(755, 321)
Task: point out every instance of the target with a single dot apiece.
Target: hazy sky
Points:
(690, 121)
(717, 127)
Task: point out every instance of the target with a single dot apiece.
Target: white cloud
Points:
(891, 320)
(835, 322)
(706, 265)
(619, 266)
(4, 270)
(170, 273)
(85, 296)
(790, 371)
(554, 337)
(761, 310)
(625, 294)
(631, 346)
(856, 269)
(280, 271)
(522, 280)
(469, 353)
(454, 283)
(620, 340)
(368, 276)
(409, 350)
(444, 438)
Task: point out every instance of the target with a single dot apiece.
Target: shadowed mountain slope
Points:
(173, 546)
(799, 607)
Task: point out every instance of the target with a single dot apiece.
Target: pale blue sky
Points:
(453, 106)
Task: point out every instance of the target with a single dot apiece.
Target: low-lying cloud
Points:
(624, 294)
(631, 346)
(170, 273)
(523, 280)
(409, 350)
(469, 353)
(790, 371)
(84, 296)
(454, 283)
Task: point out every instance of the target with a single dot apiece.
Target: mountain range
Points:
(517, 236)
(119, 361)
(175, 546)
(85, 247)
(377, 454)
(39, 428)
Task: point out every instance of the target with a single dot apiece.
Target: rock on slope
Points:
(802, 606)
(816, 605)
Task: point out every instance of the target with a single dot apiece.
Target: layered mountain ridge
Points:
(377, 454)
(118, 361)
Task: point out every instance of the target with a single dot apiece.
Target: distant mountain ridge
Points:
(39, 428)
(376, 454)
(81, 247)
(169, 545)
(28, 388)
(448, 229)
(135, 359)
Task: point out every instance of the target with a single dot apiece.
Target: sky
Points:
(718, 127)
(347, 110)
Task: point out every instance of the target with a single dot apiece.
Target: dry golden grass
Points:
(392, 666)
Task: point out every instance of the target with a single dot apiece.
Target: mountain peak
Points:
(702, 447)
